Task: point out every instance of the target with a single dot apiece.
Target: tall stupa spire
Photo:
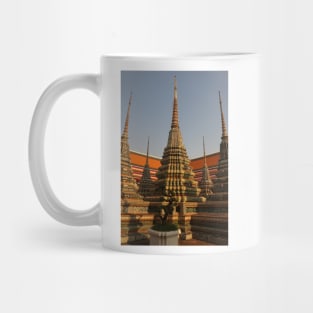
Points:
(125, 131)
(224, 141)
(129, 188)
(175, 123)
(175, 137)
(224, 129)
(175, 176)
(220, 188)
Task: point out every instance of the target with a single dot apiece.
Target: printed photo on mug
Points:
(174, 158)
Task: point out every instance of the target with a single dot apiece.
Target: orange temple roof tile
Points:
(139, 159)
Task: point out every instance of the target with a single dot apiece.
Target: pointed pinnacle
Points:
(147, 158)
(125, 131)
(175, 87)
(175, 107)
(224, 129)
(204, 156)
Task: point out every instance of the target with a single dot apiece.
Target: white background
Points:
(49, 267)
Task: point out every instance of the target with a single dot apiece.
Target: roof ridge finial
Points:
(224, 129)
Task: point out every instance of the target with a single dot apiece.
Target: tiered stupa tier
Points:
(220, 187)
(146, 186)
(206, 184)
(129, 188)
(175, 176)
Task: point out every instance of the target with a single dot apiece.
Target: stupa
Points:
(175, 176)
(146, 186)
(220, 183)
(130, 197)
(206, 184)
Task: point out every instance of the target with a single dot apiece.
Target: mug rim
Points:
(185, 56)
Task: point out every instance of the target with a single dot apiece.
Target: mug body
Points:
(180, 153)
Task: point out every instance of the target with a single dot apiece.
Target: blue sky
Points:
(151, 110)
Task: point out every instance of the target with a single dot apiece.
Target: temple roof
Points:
(139, 159)
(211, 160)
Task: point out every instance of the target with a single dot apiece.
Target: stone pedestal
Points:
(163, 238)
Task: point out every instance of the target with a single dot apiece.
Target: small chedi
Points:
(211, 223)
(146, 186)
(206, 184)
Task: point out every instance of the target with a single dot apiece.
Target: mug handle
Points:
(43, 189)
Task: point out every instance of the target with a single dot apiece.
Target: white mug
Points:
(172, 182)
